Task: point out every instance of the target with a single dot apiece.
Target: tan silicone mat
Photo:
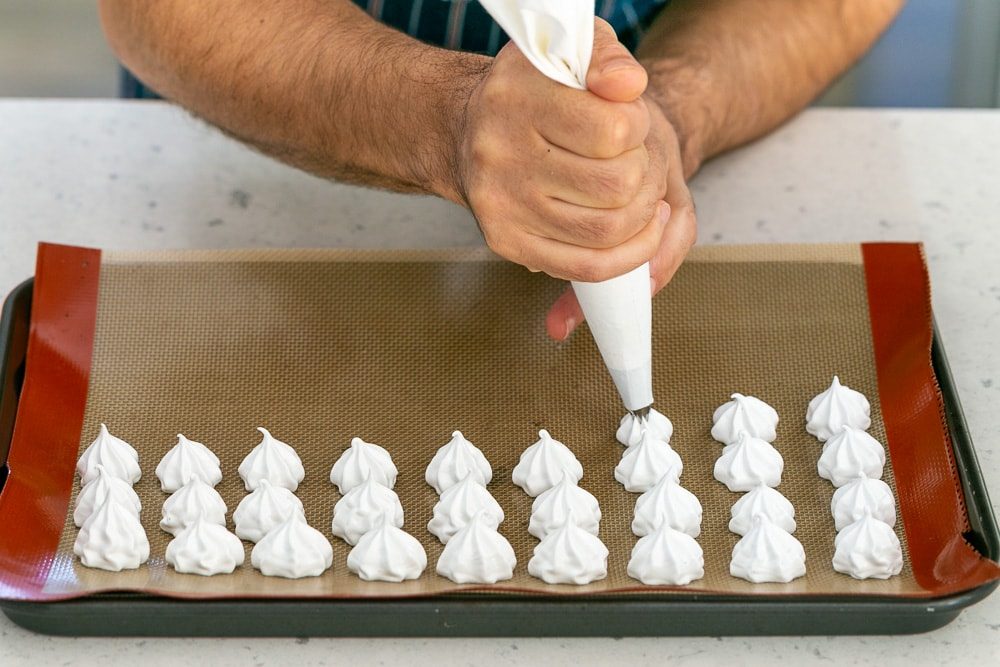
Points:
(403, 348)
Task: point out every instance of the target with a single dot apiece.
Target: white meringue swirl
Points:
(836, 407)
(112, 539)
(762, 501)
(274, 461)
(459, 503)
(748, 462)
(631, 427)
(360, 461)
(105, 485)
(293, 549)
(744, 413)
(193, 500)
(185, 459)
(205, 548)
(868, 549)
(387, 553)
(569, 555)
(849, 454)
(477, 554)
(860, 495)
(670, 503)
(646, 462)
(117, 456)
(768, 554)
(263, 509)
(542, 464)
(554, 507)
(363, 508)
(666, 557)
(454, 461)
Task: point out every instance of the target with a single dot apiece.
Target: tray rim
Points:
(983, 535)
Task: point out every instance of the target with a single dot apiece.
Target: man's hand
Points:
(678, 236)
(566, 181)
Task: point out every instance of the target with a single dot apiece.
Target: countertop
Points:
(116, 174)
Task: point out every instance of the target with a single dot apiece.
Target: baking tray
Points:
(129, 614)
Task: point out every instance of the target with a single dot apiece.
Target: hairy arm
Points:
(316, 83)
(728, 71)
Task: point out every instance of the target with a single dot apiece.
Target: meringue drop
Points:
(459, 503)
(363, 508)
(768, 554)
(836, 407)
(112, 539)
(117, 456)
(542, 464)
(477, 554)
(205, 548)
(554, 507)
(360, 461)
(274, 461)
(666, 557)
(263, 509)
(185, 459)
(744, 413)
(667, 503)
(860, 495)
(193, 500)
(631, 427)
(293, 549)
(387, 553)
(762, 501)
(748, 462)
(569, 555)
(103, 486)
(851, 453)
(868, 549)
(646, 462)
(454, 461)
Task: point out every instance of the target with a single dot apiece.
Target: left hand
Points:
(678, 237)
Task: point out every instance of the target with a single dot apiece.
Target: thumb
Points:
(614, 74)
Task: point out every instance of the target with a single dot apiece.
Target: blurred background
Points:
(940, 53)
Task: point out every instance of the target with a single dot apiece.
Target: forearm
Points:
(727, 71)
(316, 83)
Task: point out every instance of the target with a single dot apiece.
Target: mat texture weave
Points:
(401, 349)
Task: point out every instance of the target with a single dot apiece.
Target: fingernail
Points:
(664, 212)
(616, 64)
(570, 325)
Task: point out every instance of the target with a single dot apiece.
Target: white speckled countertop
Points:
(145, 175)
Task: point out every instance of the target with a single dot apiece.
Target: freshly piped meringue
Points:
(851, 453)
(360, 461)
(670, 503)
(274, 461)
(98, 489)
(263, 509)
(185, 459)
(748, 462)
(666, 557)
(569, 555)
(117, 456)
(631, 428)
(868, 549)
(387, 553)
(293, 549)
(362, 509)
(646, 462)
(744, 413)
(112, 539)
(542, 464)
(768, 554)
(194, 499)
(459, 503)
(762, 501)
(836, 407)
(205, 548)
(477, 554)
(554, 507)
(860, 495)
(454, 461)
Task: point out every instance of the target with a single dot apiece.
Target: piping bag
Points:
(557, 37)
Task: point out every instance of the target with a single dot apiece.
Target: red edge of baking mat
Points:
(930, 494)
(42, 454)
(43, 451)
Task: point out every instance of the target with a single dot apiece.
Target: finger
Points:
(562, 260)
(564, 316)
(614, 74)
(593, 183)
(584, 124)
(680, 234)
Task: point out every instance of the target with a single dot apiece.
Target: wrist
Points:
(679, 90)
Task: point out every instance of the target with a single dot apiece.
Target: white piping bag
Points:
(557, 37)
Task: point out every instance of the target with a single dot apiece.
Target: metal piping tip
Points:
(642, 413)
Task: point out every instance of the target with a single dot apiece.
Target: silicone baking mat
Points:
(401, 348)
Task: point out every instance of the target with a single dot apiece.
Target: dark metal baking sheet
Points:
(143, 615)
